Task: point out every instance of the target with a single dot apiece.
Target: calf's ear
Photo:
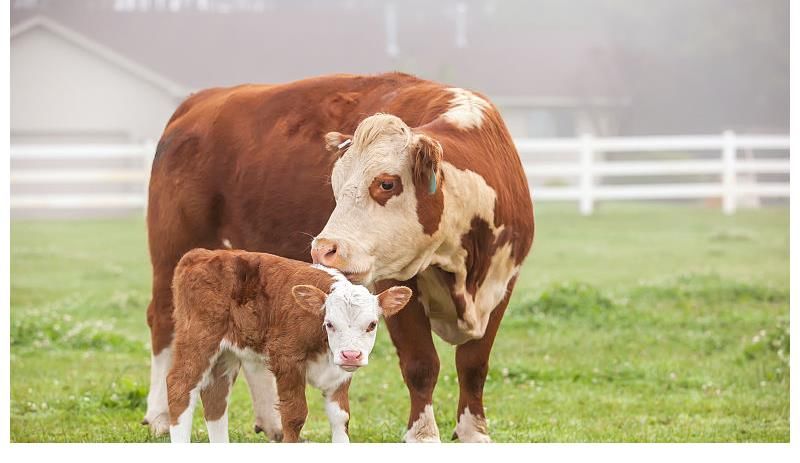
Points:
(310, 298)
(336, 142)
(427, 154)
(393, 300)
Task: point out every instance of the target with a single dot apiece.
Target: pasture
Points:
(643, 322)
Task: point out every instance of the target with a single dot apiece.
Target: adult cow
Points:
(428, 189)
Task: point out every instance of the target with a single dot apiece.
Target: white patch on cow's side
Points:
(264, 394)
(472, 428)
(218, 429)
(227, 243)
(467, 196)
(157, 415)
(323, 374)
(181, 433)
(466, 109)
(338, 420)
(424, 429)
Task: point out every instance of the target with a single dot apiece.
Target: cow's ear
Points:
(393, 300)
(310, 298)
(336, 142)
(426, 164)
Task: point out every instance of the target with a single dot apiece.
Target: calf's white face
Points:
(375, 232)
(351, 316)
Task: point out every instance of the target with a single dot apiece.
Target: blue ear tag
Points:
(432, 186)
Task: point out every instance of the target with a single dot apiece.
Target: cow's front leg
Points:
(410, 331)
(472, 363)
(337, 407)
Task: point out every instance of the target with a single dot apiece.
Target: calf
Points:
(259, 311)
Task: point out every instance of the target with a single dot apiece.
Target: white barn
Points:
(66, 88)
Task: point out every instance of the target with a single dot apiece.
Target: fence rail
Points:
(584, 171)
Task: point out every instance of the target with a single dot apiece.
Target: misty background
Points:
(555, 68)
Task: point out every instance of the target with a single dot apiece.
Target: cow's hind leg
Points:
(215, 395)
(264, 394)
(472, 363)
(410, 331)
(159, 318)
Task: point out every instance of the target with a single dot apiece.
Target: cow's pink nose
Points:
(351, 355)
(324, 252)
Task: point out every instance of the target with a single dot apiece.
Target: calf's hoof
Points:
(274, 435)
(159, 425)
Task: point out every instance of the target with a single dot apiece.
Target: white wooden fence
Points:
(584, 169)
(588, 168)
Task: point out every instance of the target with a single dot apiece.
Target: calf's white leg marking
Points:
(471, 428)
(218, 429)
(424, 429)
(157, 415)
(181, 433)
(264, 394)
(338, 420)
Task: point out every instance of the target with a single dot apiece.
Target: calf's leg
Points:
(263, 392)
(215, 396)
(292, 393)
(472, 364)
(192, 364)
(337, 407)
(410, 331)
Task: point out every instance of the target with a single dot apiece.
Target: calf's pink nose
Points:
(351, 355)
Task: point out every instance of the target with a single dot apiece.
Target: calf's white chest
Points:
(323, 374)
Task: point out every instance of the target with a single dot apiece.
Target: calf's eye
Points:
(386, 186)
(329, 325)
(372, 326)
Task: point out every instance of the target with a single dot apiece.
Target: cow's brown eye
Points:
(329, 325)
(372, 326)
(386, 186)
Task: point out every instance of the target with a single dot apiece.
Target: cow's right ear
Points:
(310, 298)
(336, 142)
(427, 157)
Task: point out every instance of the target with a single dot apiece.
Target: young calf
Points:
(303, 322)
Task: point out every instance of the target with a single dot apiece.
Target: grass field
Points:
(640, 323)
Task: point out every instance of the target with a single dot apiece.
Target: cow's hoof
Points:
(274, 435)
(473, 438)
(159, 425)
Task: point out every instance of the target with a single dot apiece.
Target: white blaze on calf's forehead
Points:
(466, 109)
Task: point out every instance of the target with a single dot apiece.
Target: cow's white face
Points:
(351, 316)
(380, 183)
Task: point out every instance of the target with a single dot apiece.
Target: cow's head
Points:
(350, 316)
(387, 184)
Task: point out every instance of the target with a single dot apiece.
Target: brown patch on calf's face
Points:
(384, 187)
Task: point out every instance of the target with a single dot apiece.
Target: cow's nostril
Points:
(331, 251)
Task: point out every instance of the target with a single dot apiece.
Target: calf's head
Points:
(350, 317)
(387, 185)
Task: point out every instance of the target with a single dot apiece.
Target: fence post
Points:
(728, 172)
(586, 203)
(149, 154)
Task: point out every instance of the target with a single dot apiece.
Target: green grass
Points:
(640, 323)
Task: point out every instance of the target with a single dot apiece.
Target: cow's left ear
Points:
(426, 163)
(393, 300)
(336, 142)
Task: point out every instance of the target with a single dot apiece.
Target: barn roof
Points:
(101, 51)
(511, 60)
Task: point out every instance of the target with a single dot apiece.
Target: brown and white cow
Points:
(428, 190)
(305, 323)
